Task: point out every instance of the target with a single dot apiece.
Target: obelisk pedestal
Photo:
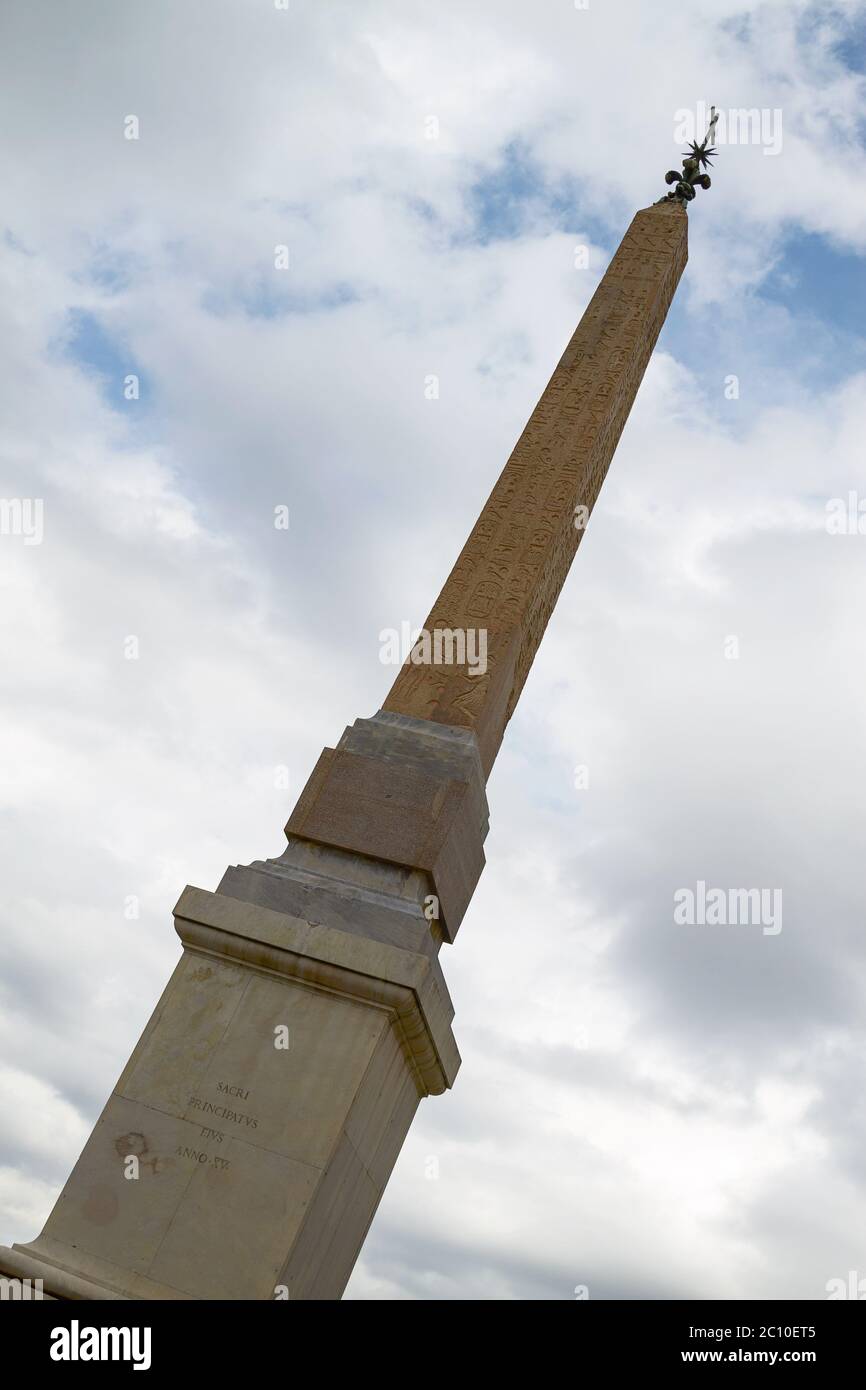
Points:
(258, 1166)
(247, 1143)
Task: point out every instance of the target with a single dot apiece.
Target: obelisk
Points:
(248, 1141)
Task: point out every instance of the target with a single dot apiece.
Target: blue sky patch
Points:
(97, 352)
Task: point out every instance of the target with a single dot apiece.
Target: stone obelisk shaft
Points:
(512, 567)
(248, 1141)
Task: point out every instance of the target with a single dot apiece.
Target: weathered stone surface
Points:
(386, 811)
(258, 1165)
(511, 569)
(407, 792)
(367, 850)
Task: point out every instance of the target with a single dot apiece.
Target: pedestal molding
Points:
(407, 985)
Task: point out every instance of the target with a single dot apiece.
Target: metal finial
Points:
(695, 160)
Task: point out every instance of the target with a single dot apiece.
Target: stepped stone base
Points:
(246, 1146)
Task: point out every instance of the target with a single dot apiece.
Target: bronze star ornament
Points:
(697, 158)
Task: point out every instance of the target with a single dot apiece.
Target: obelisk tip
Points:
(696, 159)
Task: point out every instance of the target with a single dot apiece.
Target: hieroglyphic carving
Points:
(508, 576)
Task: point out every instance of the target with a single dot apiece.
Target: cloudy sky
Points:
(649, 1109)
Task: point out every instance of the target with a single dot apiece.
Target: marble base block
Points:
(263, 1109)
